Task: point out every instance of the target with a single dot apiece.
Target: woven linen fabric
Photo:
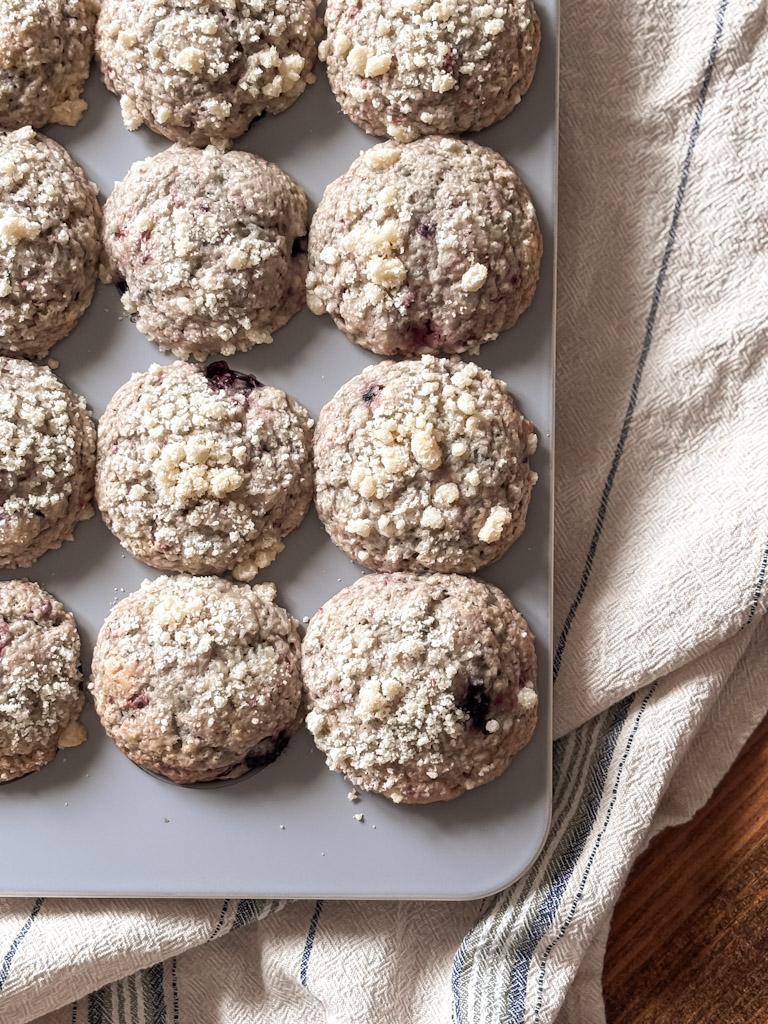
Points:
(661, 558)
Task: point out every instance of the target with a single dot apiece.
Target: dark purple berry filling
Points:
(253, 762)
(475, 701)
(371, 391)
(220, 376)
(451, 63)
(266, 756)
(423, 335)
(137, 703)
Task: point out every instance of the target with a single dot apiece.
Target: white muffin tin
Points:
(91, 822)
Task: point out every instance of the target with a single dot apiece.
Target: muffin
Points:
(48, 441)
(203, 469)
(40, 691)
(208, 248)
(419, 687)
(200, 71)
(49, 243)
(408, 68)
(423, 465)
(198, 679)
(430, 247)
(45, 56)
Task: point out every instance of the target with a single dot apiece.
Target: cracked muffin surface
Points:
(203, 469)
(419, 687)
(429, 247)
(197, 678)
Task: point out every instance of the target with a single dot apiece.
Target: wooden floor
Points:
(689, 940)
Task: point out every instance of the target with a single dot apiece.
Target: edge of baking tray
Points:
(492, 886)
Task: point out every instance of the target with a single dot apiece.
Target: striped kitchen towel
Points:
(662, 552)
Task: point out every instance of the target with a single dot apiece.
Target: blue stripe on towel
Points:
(304, 966)
(248, 909)
(134, 999)
(5, 967)
(593, 852)
(154, 999)
(647, 341)
(222, 915)
(564, 858)
(591, 735)
(175, 991)
(121, 998)
(97, 1005)
(758, 588)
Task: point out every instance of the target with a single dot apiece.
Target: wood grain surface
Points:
(689, 939)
